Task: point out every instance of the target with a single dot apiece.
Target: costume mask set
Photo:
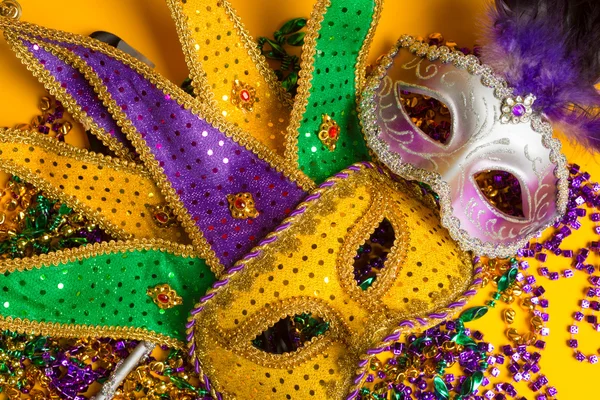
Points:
(239, 211)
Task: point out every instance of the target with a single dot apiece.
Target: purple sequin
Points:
(73, 82)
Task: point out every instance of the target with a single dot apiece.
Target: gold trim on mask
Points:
(357, 236)
(218, 50)
(307, 266)
(240, 338)
(93, 250)
(25, 326)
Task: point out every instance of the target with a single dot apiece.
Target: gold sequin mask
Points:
(312, 267)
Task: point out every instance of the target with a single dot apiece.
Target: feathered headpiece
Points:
(547, 47)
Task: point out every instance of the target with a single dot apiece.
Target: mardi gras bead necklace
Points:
(417, 366)
(52, 121)
(49, 225)
(522, 364)
(590, 305)
(32, 223)
(42, 367)
(582, 191)
(513, 285)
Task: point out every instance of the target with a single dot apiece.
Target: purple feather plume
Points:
(551, 48)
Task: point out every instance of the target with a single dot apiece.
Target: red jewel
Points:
(161, 217)
(333, 131)
(163, 298)
(245, 95)
(240, 204)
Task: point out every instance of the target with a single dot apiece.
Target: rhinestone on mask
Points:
(517, 109)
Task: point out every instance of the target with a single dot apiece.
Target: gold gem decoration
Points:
(162, 215)
(164, 296)
(509, 315)
(529, 339)
(45, 103)
(329, 132)
(242, 206)
(243, 95)
(64, 128)
(537, 323)
(513, 335)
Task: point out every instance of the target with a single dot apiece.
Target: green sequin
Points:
(344, 29)
(108, 290)
(464, 340)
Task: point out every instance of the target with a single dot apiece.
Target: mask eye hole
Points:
(428, 114)
(290, 333)
(502, 190)
(371, 255)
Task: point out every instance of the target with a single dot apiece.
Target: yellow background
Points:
(147, 26)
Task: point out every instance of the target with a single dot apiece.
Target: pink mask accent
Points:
(491, 130)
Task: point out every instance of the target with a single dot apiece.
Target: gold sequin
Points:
(45, 103)
(537, 323)
(10, 9)
(509, 315)
(513, 335)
